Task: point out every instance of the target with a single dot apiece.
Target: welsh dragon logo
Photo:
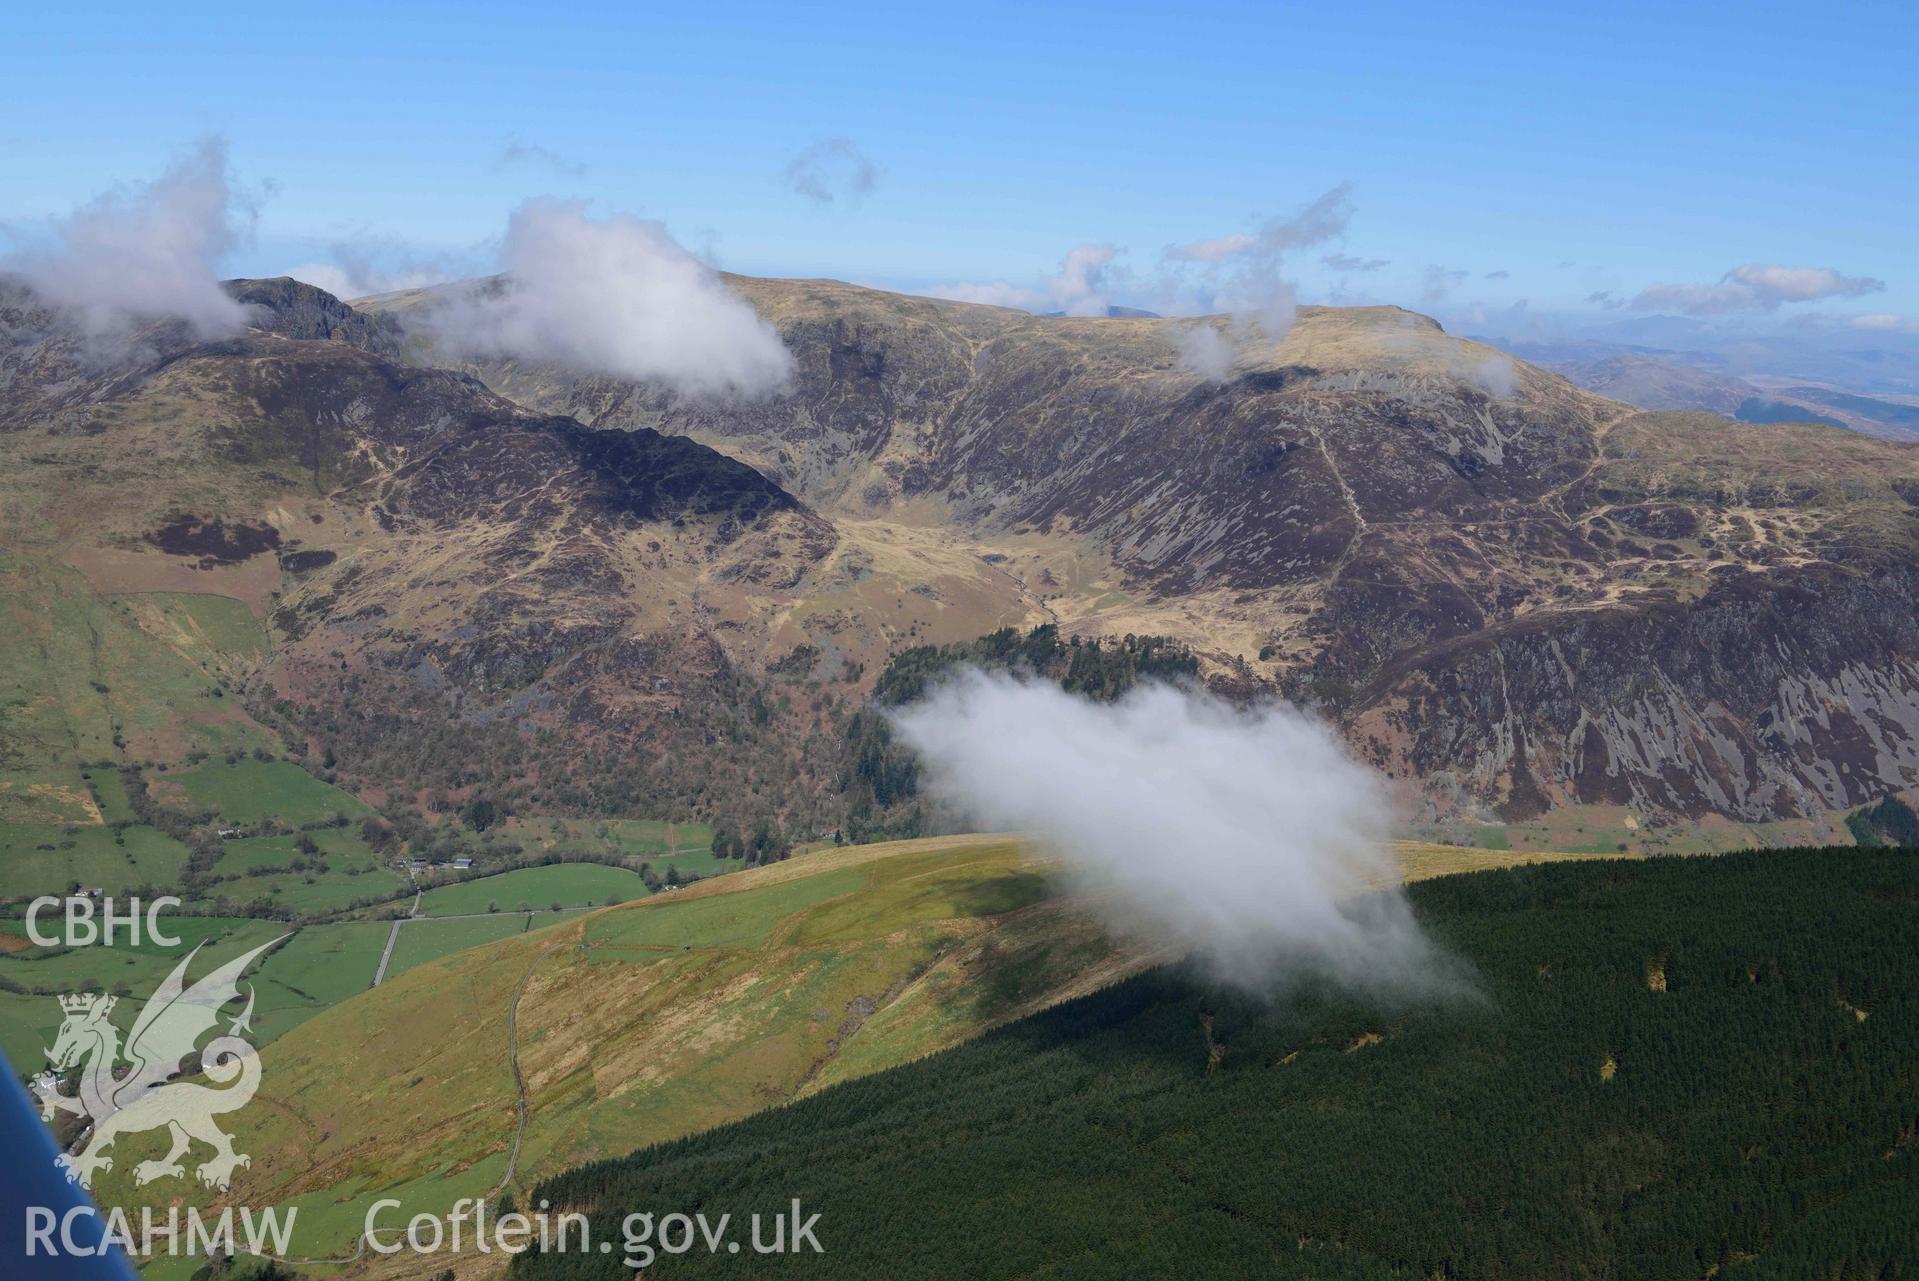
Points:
(144, 1096)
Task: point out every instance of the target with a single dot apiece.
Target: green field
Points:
(42, 793)
(109, 794)
(28, 1020)
(424, 939)
(408, 1086)
(1673, 1068)
(318, 966)
(38, 858)
(247, 791)
(664, 1017)
(568, 884)
(218, 630)
(352, 872)
(42, 858)
(91, 682)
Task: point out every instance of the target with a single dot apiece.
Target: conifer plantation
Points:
(1675, 1068)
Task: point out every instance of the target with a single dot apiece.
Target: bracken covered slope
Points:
(446, 574)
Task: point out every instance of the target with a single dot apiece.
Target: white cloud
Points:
(1204, 351)
(1243, 273)
(832, 170)
(1080, 288)
(616, 296)
(1497, 375)
(1884, 321)
(1240, 273)
(324, 275)
(1252, 840)
(147, 251)
(1083, 278)
(1246, 273)
(1755, 287)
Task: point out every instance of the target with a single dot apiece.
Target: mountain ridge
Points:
(1359, 501)
(610, 586)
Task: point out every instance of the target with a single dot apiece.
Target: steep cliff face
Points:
(1512, 591)
(1769, 696)
(293, 309)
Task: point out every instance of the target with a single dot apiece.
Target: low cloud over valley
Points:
(1252, 839)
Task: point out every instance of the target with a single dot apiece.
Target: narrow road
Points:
(393, 936)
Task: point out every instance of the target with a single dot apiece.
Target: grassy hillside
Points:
(659, 1018)
(1681, 1068)
(86, 676)
(97, 686)
(567, 884)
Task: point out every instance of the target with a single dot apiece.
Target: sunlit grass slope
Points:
(664, 1017)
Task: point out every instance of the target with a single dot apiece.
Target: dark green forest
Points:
(1888, 822)
(1678, 1068)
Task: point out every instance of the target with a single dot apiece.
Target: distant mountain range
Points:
(1665, 362)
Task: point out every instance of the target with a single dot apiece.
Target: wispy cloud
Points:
(146, 251)
(1205, 352)
(361, 264)
(1755, 287)
(1497, 376)
(832, 171)
(1244, 272)
(1239, 273)
(1216, 250)
(1347, 262)
(1439, 283)
(1081, 287)
(616, 296)
(1502, 274)
(520, 152)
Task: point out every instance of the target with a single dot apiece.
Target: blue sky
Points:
(1581, 149)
